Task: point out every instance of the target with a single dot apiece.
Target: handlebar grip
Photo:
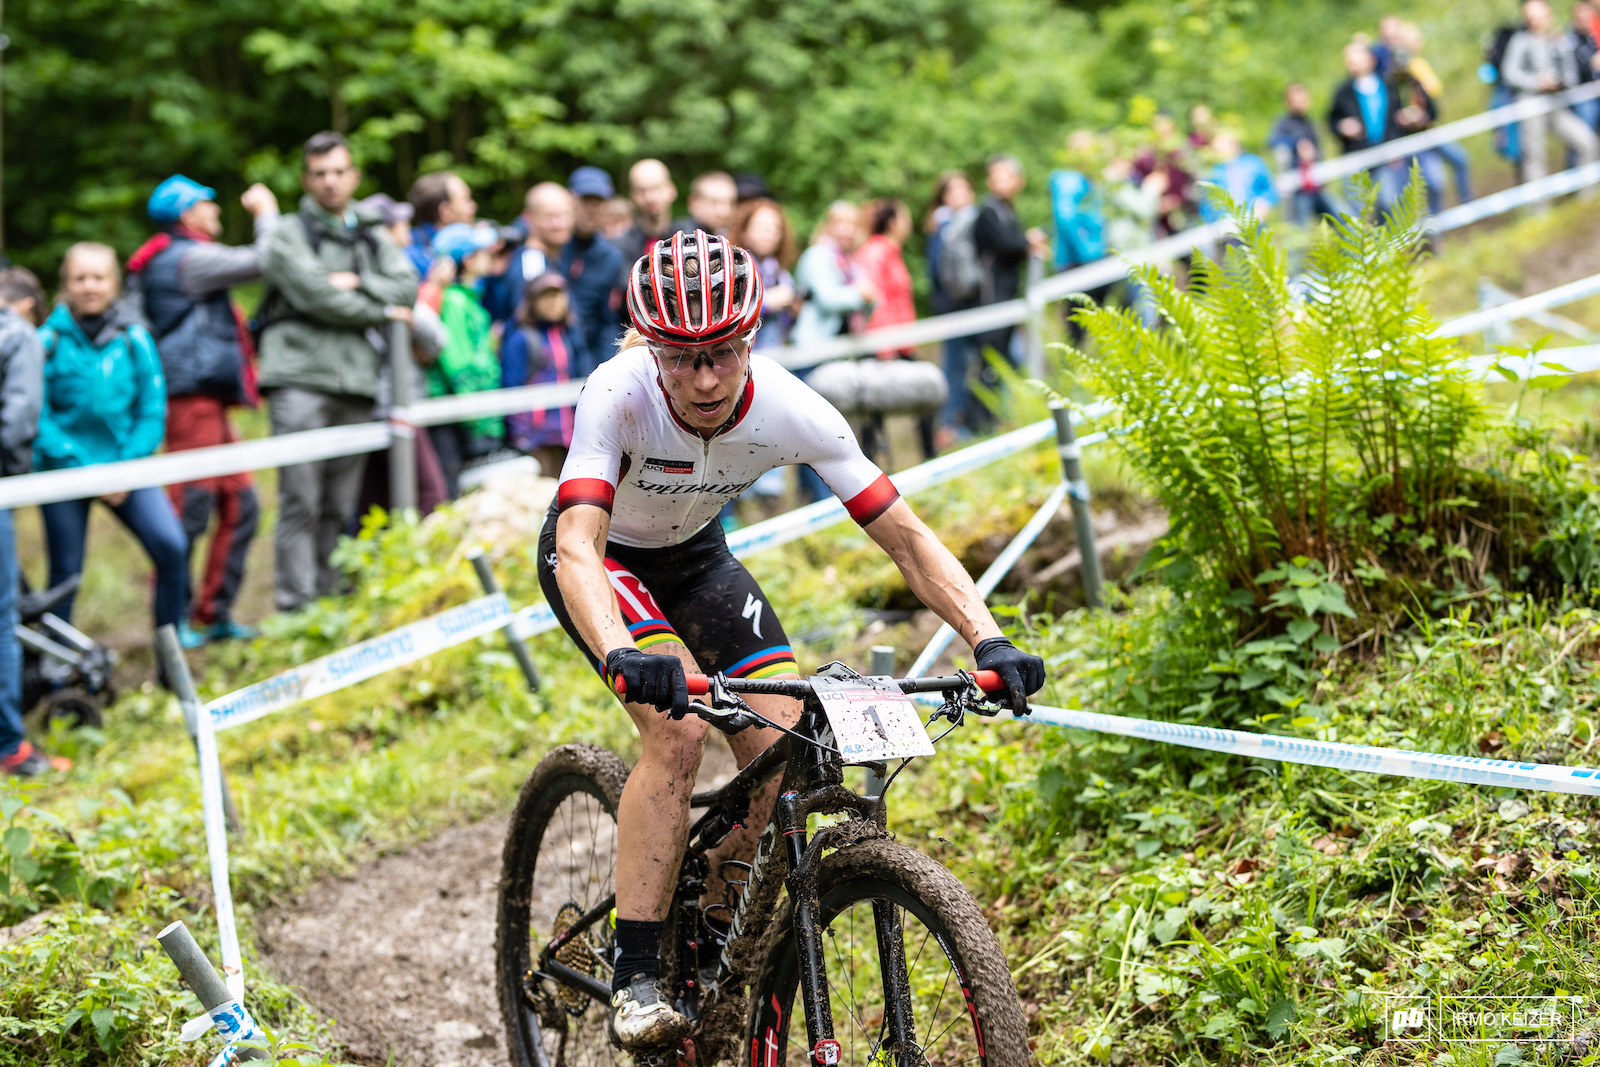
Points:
(988, 681)
(699, 685)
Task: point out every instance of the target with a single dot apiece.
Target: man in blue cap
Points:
(594, 267)
(181, 281)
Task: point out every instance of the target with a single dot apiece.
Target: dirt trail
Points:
(400, 952)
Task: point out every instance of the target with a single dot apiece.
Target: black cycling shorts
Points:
(695, 593)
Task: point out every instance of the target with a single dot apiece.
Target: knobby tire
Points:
(973, 1017)
(560, 852)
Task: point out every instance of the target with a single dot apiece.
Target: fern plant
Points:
(1276, 418)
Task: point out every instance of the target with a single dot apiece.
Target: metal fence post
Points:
(1036, 317)
(200, 976)
(402, 434)
(512, 629)
(882, 667)
(1078, 494)
(170, 653)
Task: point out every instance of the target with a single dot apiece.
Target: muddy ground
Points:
(400, 952)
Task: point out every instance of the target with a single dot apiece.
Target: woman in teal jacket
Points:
(105, 399)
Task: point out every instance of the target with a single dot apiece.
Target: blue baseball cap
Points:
(590, 181)
(460, 239)
(175, 196)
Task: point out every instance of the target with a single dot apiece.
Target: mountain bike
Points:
(887, 954)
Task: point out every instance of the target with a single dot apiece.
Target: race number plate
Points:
(872, 719)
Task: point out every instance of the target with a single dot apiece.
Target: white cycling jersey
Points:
(662, 482)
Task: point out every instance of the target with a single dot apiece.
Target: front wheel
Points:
(559, 864)
(887, 910)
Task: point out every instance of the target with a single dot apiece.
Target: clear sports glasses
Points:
(682, 362)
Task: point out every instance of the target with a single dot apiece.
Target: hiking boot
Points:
(29, 762)
(642, 1017)
(228, 630)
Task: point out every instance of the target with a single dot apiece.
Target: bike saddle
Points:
(31, 605)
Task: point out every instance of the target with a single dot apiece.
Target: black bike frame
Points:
(813, 784)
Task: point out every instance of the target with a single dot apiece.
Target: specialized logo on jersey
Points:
(669, 466)
(752, 610)
(716, 489)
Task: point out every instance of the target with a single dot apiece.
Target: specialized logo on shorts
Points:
(721, 489)
(669, 466)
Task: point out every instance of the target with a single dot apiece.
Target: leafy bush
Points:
(1277, 420)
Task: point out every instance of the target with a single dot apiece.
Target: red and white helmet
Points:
(696, 289)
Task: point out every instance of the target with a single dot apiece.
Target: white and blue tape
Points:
(1471, 770)
(361, 661)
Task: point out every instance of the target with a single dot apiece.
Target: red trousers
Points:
(198, 422)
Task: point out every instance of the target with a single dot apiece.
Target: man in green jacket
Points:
(332, 275)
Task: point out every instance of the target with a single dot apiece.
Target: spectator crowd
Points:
(155, 352)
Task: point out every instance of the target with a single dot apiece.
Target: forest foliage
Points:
(826, 98)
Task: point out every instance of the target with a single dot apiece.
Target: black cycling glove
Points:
(1020, 673)
(648, 679)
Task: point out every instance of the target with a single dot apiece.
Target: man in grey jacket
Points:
(21, 395)
(1540, 60)
(331, 274)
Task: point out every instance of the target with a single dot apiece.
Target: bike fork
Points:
(899, 1025)
(823, 1049)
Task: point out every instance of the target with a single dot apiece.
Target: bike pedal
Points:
(682, 1056)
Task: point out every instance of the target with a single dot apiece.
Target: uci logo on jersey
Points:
(669, 466)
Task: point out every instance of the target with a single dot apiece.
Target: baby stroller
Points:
(62, 667)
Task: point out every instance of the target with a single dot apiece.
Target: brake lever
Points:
(727, 710)
(957, 702)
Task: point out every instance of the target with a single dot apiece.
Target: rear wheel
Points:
(959, 1004)
(75, 708)
(559, 863)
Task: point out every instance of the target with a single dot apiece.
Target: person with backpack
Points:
(1003, 246)
(182, 278)
(1507, 139)
(1540, 60)
(540, 349)
(21, 396)
(105, 399)
(953, 277)
(331, 274)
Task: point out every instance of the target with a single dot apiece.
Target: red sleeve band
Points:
(872, 501)
(596, 491)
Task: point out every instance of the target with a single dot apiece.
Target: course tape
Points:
(235, 1025)
(1561, 295)
(361, 661)
(1472, 770)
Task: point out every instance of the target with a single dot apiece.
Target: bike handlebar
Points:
(700, 684)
